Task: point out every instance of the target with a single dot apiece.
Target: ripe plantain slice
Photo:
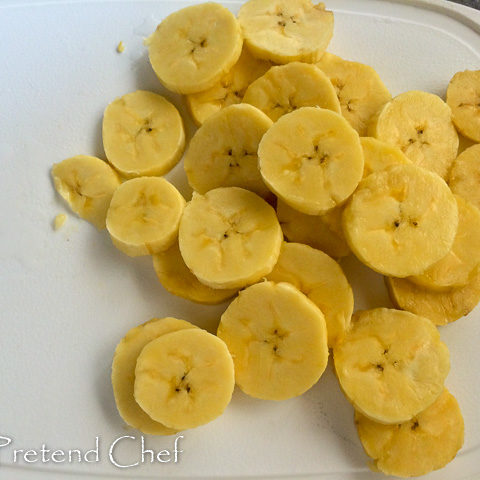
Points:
(87, 185)
(323, 232)
(322, 280)
(420, 124)
(286, 30)
(123, 371)
(401, 220)
(463, 97)
(177, 279)
(184, 379)
(144, 216)
(380, 155)
(441, 307)
(391, 364)
(193, 48)
(142, 134)
(359, 89)
(312, 159)
(425, 443)
(286, 88)
(229, 90)
(465, 175)
(223, 151)
(229, 237)
(278, 340)
(456, 268)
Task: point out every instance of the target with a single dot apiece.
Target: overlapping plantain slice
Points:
(401, 220)
(379, 155)
(177, 279)
(425, 443)
(391, 364)
(286, 30)
(457, 267)
(420, 124)
(359, 89)
(323, 232)
(184, 379)
(144, 216)
(312, 159)
(123, 371)
(193, 48)
(286, 88)
(229, 237)
(441, 307)
(223, 151)
(464, 177)
(229, 90)
(278, 340)
(322, 280)
(463, 97)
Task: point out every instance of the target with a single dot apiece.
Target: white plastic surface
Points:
(67, 297)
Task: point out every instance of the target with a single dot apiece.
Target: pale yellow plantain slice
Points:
(359, 89)
(286, 88)
(286, 30)
(441, 307)
(323, 232)
(229, 90)
(278, 340)
(123, 371)
(177, 279)
(380, 155)
(465, 175)
(193, 48)
(425, 443)
(322, 280)
(463, 97)
(142, 134)
(401, 220)
(391, 365)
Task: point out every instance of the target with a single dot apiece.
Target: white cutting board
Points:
(67, 297)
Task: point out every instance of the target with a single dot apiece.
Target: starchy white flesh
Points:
(286, 88)
(420, 124)
(463, 97)
(229, 237)
(425, 443)
(278, 340)
(286, 30)
(184, 379)
(229, 90)
(401, 220)
(359, 89)
(177, 279)
(123, 371)
(144, 216)
(223, 151)
(142, 134)
(312, 159)
(441, 307)
(323, 232)
(457, 267)
(379, 155)
(193, 48)
(465, 175)
(87, 185)
(322, 280)
(391, 365)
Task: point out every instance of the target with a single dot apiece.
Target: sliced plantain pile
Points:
(285, 180)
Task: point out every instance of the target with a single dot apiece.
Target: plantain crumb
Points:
(59, 221)
(120, 47)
